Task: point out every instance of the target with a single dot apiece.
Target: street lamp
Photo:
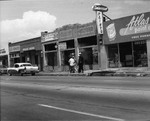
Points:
(99, 9)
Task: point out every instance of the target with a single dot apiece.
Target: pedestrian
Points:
(80, 63)
(72, 64)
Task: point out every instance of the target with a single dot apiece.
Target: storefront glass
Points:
(65, 56)
(51, 54)
(51, 58)
(66, 48)
(88, 48)
(126, 55)
(113, 56)
(140, 54)
(130, 54)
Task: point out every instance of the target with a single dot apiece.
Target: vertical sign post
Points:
(99, 9)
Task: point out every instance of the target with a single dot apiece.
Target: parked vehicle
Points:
(3, 69)
(23, 68)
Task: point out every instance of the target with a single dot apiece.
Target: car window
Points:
(26, 64)
(16, 66)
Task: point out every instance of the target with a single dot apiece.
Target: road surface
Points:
(48, 98)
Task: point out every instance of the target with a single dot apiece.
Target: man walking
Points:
(80, 63)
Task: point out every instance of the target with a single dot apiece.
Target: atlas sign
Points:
(99, 7)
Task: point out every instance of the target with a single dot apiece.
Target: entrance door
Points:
(126, 57)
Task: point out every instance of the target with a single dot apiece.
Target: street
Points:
(49, 98)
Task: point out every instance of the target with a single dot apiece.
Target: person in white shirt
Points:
(72, 64)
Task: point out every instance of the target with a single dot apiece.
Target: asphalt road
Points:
(49, 98)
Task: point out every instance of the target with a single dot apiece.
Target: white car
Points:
(23, 68)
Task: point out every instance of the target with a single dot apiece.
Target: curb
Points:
(59, 74)
(110, 73)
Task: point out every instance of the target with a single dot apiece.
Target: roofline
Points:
(24, 40)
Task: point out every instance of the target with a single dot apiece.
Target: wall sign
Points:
(111, 31)
(66, 33)
(2, 51)
(138, 24)
(99, 22)
(127, 29)
(86, 30)
(49, 36)
(62, 46)
(29, 48)
(14, 48)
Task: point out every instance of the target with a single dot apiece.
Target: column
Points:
(103, 57)
(58, 57)
(76, 48)
(148, 53)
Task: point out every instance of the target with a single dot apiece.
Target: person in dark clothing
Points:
(80, 63)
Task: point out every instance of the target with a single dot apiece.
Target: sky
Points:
(25, 19)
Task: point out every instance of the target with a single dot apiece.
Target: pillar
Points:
(104, 57)
(148, 53)
(58, 57)
(76, 48)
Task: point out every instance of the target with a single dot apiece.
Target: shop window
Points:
(95, 58)
(65, 56)
(66, 44)
(140, 54)
(113, 57)
(16, 60)
(87, 55)
(50, 47)
(126, 55)
(87, 41)
(90, 56)
(70, 44)
(51, 58)
(131, 54)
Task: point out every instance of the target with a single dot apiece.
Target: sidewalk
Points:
(105, 72)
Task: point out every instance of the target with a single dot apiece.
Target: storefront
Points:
(127, 41)
(50, 50)
(87, 44)
(26, 51)
(3, 58)
(58, 46)
(67, 46)
(14, 53)
(75, 39)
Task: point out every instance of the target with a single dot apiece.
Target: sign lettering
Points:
(49, 37)
(99, 21)
(137, 24)
(14, 48)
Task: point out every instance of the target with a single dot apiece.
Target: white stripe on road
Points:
(83, 113)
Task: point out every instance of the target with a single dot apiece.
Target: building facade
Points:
(127, 42)
(3, 58)
(26, 51)
(70, 39)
